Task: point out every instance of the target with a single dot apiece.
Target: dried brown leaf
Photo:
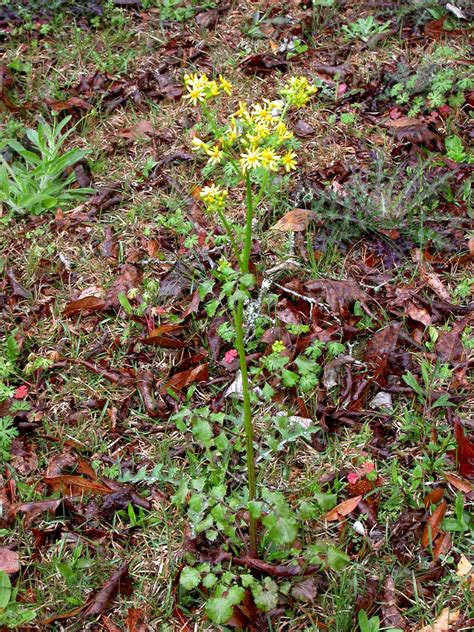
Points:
(343, 509)
(296, 220)
(433, 525)
(86, 304)
(119, 583)
(9, 561)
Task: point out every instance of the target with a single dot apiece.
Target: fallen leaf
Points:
(207, 19)
(145, 385)
(340, 295)
(303, 129)
(135, 620)
(444, 622)
(36, 508)
(459, 483)
(420, 314)
(464, 567)
(159, 338)
(435, 283)
(71, 485)
(24, 458)
(380, 349)
(119, 583)
(18, 291)
(263, 64)
(390, 612)
(306, 590)
(442, 546)
(128, 279)
(449, 347)
(141, 129)
(109, 247)
(433, 525)
(9, 561)
(296, 220)
(465, 451)
(416, 131)
(343, 509)
(86, 304)
(182, 379)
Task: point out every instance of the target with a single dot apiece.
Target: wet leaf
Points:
(128, 279)
(34, 509)
(343, 509)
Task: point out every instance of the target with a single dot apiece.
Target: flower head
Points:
(289, 161)
(225, 85)
(215, 154)
(278, 346)
(270, 159)
(251, 159)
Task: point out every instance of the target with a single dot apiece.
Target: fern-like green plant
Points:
(35, 181)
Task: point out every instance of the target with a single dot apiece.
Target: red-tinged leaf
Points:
(21, 392)
(434, 496)
(459, 483)
(36, 508)
(465, 451)
(296, 220)
(141, 129)
(62, 616)
(109, 247)
(9, 561)
(343, 509)
(59, 462)
(433, 525)
(119, 583)
(24, 458)
(86, 304)
(449, 347)
(70, 485)
(159, 338)
(183, 379)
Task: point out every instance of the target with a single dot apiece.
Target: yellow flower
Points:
(196, 94)
(282, 132)
(289, 161)
(242, 111)
(261, 114)
(225, 85)
(231, 133)
(198, 144)
(215, 154)
(212, 89)
(270, 159)
(297, 91)
(278, 346)
(251, 160)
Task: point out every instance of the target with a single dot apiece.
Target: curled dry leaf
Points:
(119, 583)
(433, 525)
(343, 509)
(163, 337)
(71, 485)
(86, 304)
(443, 623)
(182, 379)
(459, 483)
(415, 131)
(36, 508)
(296, 220)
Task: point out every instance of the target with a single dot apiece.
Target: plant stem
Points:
(239, 323)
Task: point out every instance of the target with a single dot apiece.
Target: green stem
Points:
(240, 344)
(230, 235)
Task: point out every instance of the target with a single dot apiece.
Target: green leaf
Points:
(325, 501)
(189, 578)
(5, 590)
(281, 530)
(410, 379)
(202, 431)
(337, 559)
(220, 609)
(290, 378)
(209, 581)
(266, 596)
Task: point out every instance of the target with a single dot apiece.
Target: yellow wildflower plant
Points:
(251, 159)
(215, 154)
(200, 88)
(297, 91)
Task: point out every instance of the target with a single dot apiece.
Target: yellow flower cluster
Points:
(214, 197)
(255, 134)
(298, 91)
(200, 88)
